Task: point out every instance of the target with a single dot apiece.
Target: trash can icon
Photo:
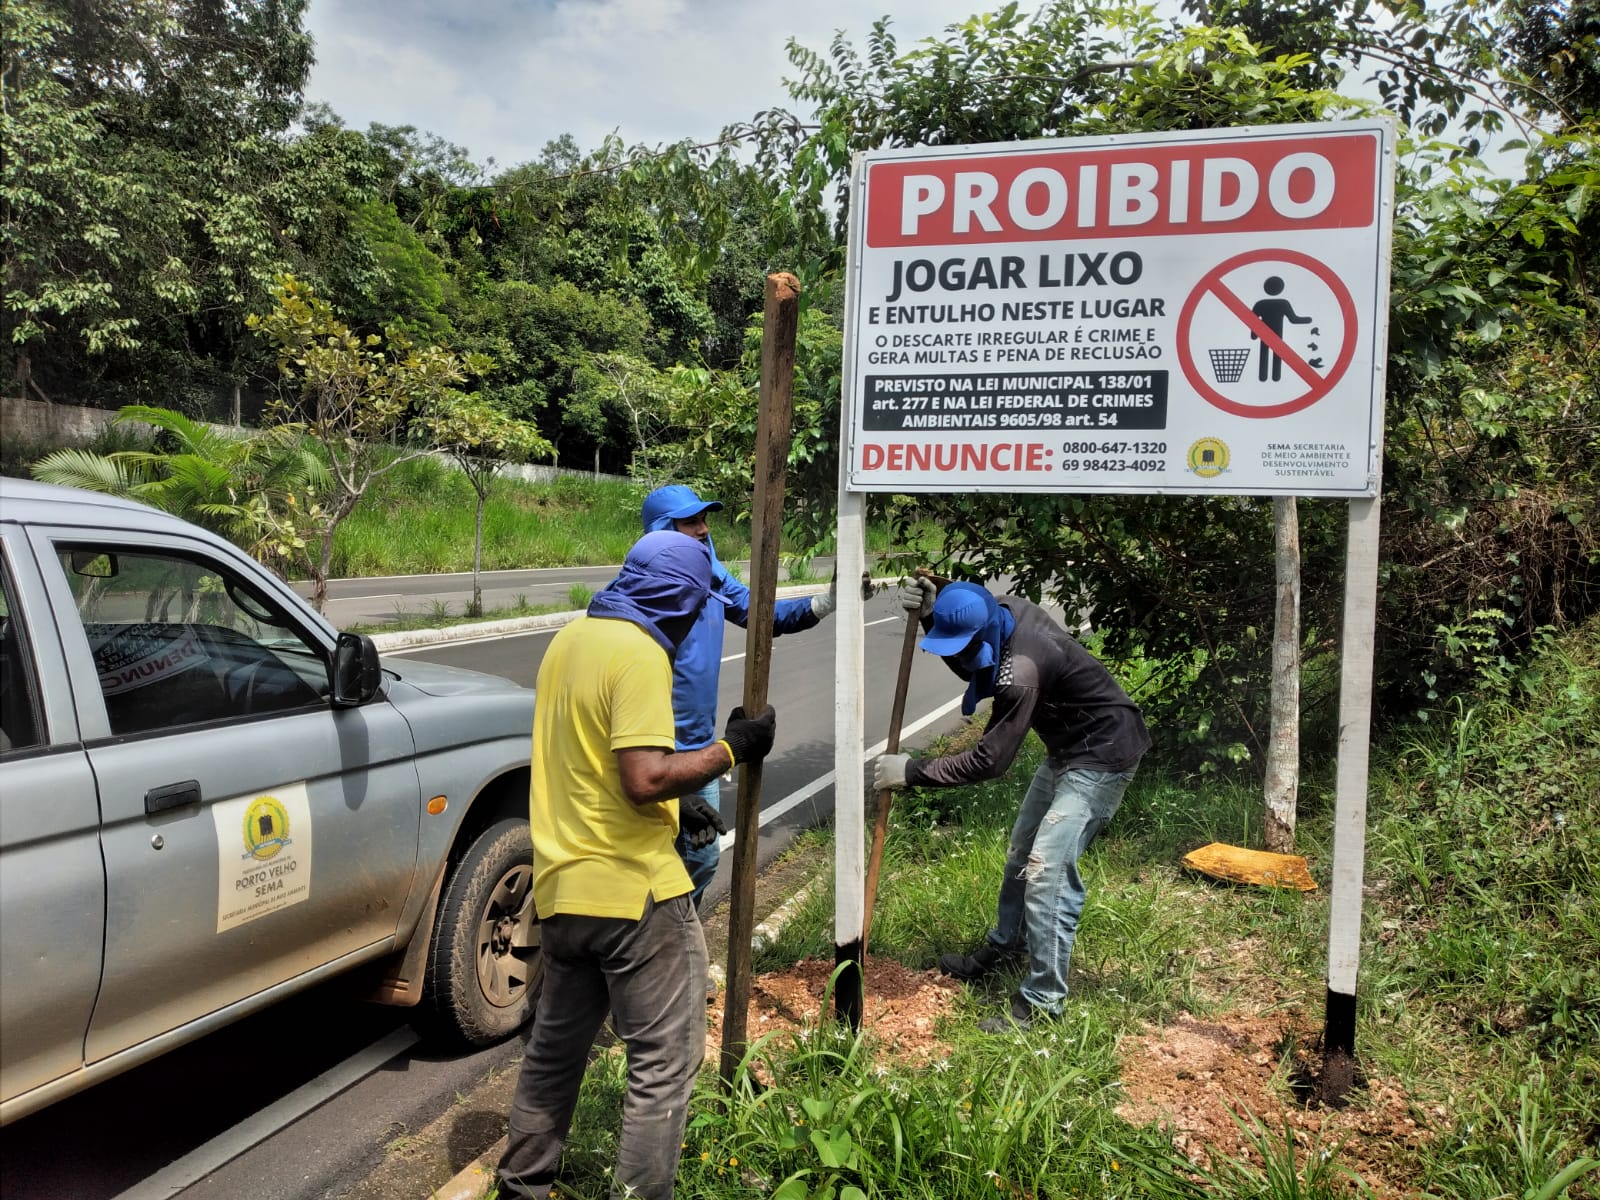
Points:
(1228, 365)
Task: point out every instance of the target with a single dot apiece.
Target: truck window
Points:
(19, 706)
(180, 641)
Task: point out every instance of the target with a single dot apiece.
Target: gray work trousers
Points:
(650, 975)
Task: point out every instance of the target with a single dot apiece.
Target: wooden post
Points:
(781, 322)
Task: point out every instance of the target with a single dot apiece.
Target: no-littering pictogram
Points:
(1267, 333)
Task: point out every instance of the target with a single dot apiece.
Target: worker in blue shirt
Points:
(699, 662)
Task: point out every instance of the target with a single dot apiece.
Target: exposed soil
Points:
(1201, 1076)
(1211, 1078)
(902, 1007)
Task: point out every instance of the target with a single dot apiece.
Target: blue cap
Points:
(674, 502)
(960, 613)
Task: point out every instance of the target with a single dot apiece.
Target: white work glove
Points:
(823, 603)
(916, 595)
(890, 771)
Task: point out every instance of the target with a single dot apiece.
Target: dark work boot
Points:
(1019, 1017)
(985, 960)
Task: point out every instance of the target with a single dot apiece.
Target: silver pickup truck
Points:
(209, 799)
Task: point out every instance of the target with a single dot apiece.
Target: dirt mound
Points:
(1213, 1080)
(1206, 1076)
(902, 1006)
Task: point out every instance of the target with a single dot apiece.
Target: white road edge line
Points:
(227, 1146)
(866, 625)
(800, 796)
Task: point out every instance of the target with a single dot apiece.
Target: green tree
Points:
(153, 191)
(481, 437)
(240, 485)
(641, 397)
(546, 338)
(719, 410)
(364, 400)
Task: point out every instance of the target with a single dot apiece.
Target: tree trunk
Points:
(319, 576)
(477, 561)
(1282, 785)
(237, 416)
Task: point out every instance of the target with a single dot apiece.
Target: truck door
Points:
(251, 832)
(52, 885)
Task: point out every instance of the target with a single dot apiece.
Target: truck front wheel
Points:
(484, 964)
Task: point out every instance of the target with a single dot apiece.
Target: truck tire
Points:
(484, 963)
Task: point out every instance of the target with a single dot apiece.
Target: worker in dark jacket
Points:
(1040, 678)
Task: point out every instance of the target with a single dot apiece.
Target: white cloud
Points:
(504, 77)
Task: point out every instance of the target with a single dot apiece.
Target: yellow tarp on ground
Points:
(1238, 865)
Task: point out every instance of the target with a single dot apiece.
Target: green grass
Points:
(1480, 986)
(419, 520)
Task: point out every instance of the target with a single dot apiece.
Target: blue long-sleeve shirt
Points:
(699, 660)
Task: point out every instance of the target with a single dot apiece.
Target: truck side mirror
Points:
(355, 675)
(94, 564)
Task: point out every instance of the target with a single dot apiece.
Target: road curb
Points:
(475, 1179)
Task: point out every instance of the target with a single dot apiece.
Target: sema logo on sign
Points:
(1145, 191)
(1208, 457)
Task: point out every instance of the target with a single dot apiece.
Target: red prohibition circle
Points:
(1212, 280)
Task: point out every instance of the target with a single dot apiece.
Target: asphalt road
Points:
(207, 1112)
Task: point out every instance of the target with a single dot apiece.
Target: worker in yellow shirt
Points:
(619, 934)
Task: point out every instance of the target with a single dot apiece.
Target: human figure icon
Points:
(1273, 311)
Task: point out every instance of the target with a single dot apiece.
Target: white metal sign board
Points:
(1195, 312)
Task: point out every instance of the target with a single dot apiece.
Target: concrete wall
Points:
(35, 423)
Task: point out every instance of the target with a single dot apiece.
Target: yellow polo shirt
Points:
(605, 685)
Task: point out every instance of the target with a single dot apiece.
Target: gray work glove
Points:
(701, 823)
(890, 771)
(750, 738)
(823, 603)
(916, 595)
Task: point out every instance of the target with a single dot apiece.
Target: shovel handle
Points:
(880, 824)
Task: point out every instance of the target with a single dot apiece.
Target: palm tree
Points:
(252, 488)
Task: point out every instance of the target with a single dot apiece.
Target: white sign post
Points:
(1201, 312)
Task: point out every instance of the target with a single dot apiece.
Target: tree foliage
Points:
(360, 398)
(480, 437)
(240, 485)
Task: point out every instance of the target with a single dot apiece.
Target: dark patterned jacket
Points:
(1047, 682)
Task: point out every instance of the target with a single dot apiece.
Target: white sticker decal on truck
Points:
(264, 853)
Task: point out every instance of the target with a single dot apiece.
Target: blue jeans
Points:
(702, 863)
(650, 975)
(1042, 894)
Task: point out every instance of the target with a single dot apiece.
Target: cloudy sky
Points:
(503, 77)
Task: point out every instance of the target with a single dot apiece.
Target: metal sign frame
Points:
(1364, 369)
